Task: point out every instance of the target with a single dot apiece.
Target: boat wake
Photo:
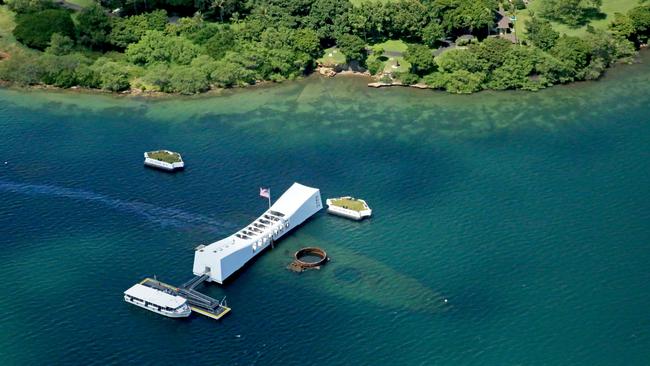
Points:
(166, 217)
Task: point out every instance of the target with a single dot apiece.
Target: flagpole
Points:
(269, 197)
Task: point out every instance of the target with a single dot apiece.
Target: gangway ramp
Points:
(195, 281)
(199, 303)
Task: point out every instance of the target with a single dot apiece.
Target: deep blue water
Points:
(528, 212)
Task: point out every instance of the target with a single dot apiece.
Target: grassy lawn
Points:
(8, 43)
(392, 63)
(396, 65)
(82, 3)
(7, 25)
(351, 204)
(392, 45)
(332, 57)
(609, 7)
(165, 156)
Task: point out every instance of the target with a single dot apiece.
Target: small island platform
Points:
(164, 159)
(348, 207)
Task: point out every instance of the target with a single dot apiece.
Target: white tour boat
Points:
(158, 301)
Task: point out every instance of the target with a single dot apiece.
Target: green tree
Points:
(516, 70)
(458, 59)
(640, 17)
(407, 18)
(229, 73)
(154, 46)
(541, 33)
(29, 6)
(129, 30)
(188, 80)
(432, 33)
(353, 47)
(93, 27)
(622, 26)
(60, 71)
(421, 59)
(519, 4)
(112, 75)
(22, 68)
(323, 14)
(408, 78)
(464, 82)
(306, 41)
(466, 15)
(35, 29)
(571, 12)
(222, 42)
(574, 52)
(375, 66)
(491, 53)
(60, 45)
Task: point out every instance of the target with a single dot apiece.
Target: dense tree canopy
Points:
(541, 33)
(130, 29)
(93, 27)
(155, 47)
(571, 12)
(421, 59)
(35, 29)
(225, 43)
(353, 47)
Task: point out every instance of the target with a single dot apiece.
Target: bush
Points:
(353, 47)
(437, 80)
(29, 6)
(112, 75)
(129, 30)
(188, 80)
(22, 69)
(222, 42)
(230, 73)
(93, 27)
(408, 78)
(464, 82)
(60, 71)
(421, 59)
(35, 29)
(60, 45)
(157, 47)
(519, 4)
(375, 66)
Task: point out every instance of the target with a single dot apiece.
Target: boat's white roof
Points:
(154, 296)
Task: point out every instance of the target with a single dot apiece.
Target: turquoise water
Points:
(528, 212)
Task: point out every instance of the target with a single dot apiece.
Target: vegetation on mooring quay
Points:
(188, 47)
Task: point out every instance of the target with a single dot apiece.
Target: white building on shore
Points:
(223, 258)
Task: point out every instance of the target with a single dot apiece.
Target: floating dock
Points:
(221, 259)
(164, 159)
(348, 207)
(199, 303)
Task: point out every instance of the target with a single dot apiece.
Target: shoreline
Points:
(372, 82)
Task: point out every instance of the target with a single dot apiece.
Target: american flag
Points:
(265, 192)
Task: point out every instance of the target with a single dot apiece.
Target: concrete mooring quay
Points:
(199, 303)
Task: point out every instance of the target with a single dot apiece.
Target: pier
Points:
(199, 303)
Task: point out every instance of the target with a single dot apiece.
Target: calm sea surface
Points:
(528, 212)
